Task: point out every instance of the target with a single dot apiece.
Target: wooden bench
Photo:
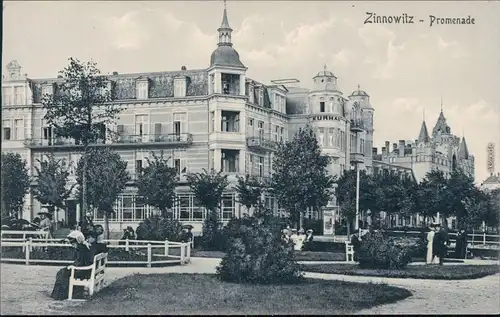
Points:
(96, 281)
(349, 252)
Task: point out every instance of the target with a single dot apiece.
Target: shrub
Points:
(378, 251)
(212, 235)
(258, 254)
(157, 228)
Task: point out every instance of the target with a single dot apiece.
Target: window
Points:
(180, 162)
(228, 207)
(322, 106)
(230, 161)
(47, 133)
(261, 166)
(184, 207)
(138, 167)
(282, 134)
(7, 96)
(6, 129)
(260, 129)
(19, 129)
(331, 136)
(128, 208)
(180, 87)
(275, 134)
(177, 127)
(19, 95)
(46, 90)
(142, 90)
(321, 132)
(177, 166)
(230, 121)
(261, 97)
(140, 125)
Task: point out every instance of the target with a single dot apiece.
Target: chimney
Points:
(402, 148)
(394, 147)
(384, 152)
(374, 151)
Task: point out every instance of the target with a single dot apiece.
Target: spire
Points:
(423, 136)
(441, 103)
(224, 29)
(463, 151)
(441, 125)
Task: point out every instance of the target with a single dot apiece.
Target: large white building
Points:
(215, 117)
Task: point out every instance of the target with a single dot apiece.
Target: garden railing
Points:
(159, 249)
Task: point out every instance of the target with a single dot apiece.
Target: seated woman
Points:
(83, 257)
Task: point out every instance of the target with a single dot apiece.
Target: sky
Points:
(407, 69)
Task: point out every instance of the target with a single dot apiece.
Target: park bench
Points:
(96, 281)
(349, 252)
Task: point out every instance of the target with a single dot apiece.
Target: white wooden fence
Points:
(159, 249)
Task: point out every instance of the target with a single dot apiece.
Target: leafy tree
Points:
(300, 178)
(156, 184)
(369, 195)
(80, 108)
(15, 184)
(249, 192)
(459, 187)
(208, 188)
(51, 181)
(106, 176)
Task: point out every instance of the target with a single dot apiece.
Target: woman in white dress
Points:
(430, 238)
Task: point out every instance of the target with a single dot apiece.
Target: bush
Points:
(378, 251)
(157, 228)
(258, 254)
(212, 238)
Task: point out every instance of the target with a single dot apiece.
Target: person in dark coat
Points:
(83, 257)
(99, 246)
(356, 244)
(461, 245)
(439, 244)
(87, 226)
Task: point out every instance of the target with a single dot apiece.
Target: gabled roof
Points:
(492, 179)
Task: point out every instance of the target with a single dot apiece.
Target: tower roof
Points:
(423, 136)
(359, 92)
(463, 151)
(441, 125)
(225, 22)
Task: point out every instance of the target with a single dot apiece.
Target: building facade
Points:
(206, 118)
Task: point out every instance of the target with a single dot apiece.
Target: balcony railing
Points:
(262, 143)
(357, 125)
(357, 157)
(119, 140)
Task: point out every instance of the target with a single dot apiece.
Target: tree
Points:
(300, 179)
(156, 184)
(208, 188)
(15, 184)
(460, 187)
(51, 181)
(80, 108)
(249, 192)
(369, 195)
(106, 176)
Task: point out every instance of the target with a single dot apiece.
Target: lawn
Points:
(204, 294)
(432, 272)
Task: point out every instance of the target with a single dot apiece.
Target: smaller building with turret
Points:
(442, 151)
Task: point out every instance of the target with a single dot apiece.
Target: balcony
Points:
(357, 125)
(357, 158)
(261, 143)
(182, 139)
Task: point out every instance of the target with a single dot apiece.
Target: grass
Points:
(432, 272)
(205, 294)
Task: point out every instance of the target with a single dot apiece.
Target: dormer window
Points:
(251, 94)
(141, 88)
(47, 89)
(180, 87)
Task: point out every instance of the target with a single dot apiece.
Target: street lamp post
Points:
(356, 223)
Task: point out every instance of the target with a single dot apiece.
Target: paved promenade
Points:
(26, 290)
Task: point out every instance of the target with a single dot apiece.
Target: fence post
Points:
(484, 238)
(27, 250)
(182, 253)
(149, 255)
(188, 252)
(126, 245)
(166, 247)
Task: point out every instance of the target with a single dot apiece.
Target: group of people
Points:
(86, 243)
(301, 239)
(437, 242)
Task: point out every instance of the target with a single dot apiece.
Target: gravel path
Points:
(26, 290)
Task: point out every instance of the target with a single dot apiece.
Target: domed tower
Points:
(361, 98)
(226, 72)
(327, 118)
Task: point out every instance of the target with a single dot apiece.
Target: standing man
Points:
(439, 244)
(461, 245)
